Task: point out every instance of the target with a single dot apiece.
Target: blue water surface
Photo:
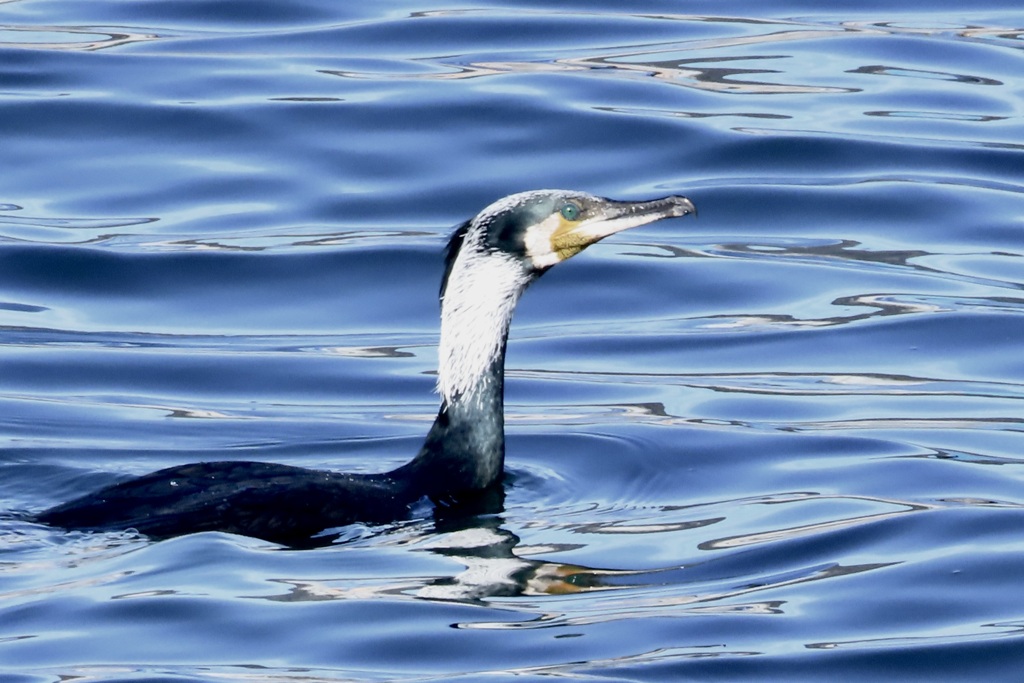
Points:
(780, 442)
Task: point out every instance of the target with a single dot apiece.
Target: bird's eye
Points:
(570, 212)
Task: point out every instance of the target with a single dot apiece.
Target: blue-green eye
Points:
(570, 212)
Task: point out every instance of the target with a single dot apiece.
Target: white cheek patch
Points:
(539, 247)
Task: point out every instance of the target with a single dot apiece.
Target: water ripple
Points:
(73, 38)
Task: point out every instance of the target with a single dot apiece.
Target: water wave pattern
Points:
(783, 440)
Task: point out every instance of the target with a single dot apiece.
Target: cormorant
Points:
(490, 260)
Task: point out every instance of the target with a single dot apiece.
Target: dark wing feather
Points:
(278, 503)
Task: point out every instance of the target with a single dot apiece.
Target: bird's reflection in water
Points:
(495, 566)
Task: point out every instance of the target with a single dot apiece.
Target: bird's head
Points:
(494, 256)
(541, 228)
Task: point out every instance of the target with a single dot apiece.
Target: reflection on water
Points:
(707, 73)
(66, 38)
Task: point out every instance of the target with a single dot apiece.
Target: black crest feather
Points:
(452, 250)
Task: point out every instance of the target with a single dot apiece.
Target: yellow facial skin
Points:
(567, 239)
(556, 238)
(578, 222)
(553, 240)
